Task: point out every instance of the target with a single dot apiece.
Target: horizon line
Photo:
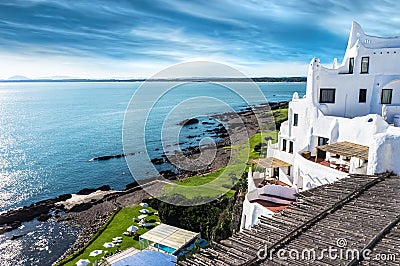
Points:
(192, 79)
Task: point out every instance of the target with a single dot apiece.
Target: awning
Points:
(169, 236)
(270, 163)
(347, 149)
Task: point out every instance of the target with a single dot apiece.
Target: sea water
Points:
(50, 131)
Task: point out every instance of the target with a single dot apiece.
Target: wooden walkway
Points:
(356, 213)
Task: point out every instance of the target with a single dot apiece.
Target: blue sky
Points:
(103, 39)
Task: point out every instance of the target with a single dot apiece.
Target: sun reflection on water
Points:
(36, 243)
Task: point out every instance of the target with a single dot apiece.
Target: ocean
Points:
(49, 132)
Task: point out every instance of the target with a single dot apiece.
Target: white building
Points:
(348, 121)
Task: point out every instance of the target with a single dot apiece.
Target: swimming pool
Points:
(164, 248)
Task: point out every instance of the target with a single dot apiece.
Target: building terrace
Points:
(363, 210)
(343, 156)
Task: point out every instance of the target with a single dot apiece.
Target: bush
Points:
(200, 218)
(223, 229)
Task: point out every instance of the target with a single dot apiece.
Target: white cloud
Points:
(137, 41)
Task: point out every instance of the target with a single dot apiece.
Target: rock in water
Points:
(190, 121)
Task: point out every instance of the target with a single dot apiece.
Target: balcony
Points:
(344, 156)
(338, 164)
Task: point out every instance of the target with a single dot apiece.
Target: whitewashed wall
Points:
(308, 174)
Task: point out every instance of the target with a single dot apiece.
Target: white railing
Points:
(314, 174)
(281, 155)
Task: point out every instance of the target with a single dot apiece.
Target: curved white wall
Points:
(251, 213)
(384, 154)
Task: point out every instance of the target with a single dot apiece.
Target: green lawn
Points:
(210, 185)
(121, 221)
(220, 182)
(280, 115)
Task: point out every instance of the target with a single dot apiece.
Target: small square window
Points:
(362, 97)
(364, 65)
(327, 95)
(386, 96)
(322, 141)
(295, 120)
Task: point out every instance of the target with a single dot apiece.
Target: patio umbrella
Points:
(95, 253)
(132, 228)
(142, 216)
(108, 245)
(144, 211)
(82, 262)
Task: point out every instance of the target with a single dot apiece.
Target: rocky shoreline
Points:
(90, 208)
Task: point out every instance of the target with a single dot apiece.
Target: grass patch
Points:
(221, 181)
(201, 180)
(280, 115)
(214, 184)
(121, 221)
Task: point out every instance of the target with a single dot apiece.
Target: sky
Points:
(136, 39)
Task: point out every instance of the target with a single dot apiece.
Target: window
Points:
(288, 170)
(290, 146)
(362, 97)
(327, 95)
(284, 144)
(364, 65)
(386, 97)
(295, 120)
(322, 141)
(351, 65)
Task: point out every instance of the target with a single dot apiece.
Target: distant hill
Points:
(57, 78)
(18, 77)
(280, 79)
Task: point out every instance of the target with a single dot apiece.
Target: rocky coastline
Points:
(90, 208)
